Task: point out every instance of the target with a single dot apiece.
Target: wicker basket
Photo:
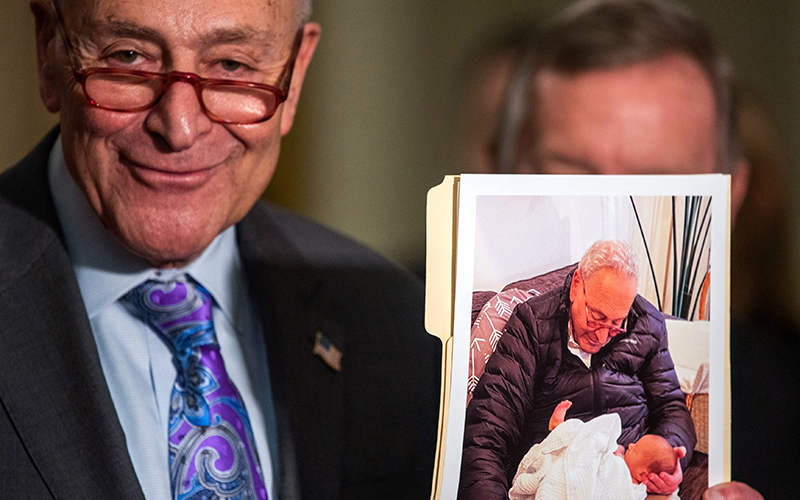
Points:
(698, 407)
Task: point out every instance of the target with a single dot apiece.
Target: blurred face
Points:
(167, 180)
(603, 299)
(656, 117)
(481, 111)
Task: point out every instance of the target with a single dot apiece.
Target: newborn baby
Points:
(650, 454)
(583, 461)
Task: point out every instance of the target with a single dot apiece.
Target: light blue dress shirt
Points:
(136, 362)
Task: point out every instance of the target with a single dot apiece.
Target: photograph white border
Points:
(471, 186)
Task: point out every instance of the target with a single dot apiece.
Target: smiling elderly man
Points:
(164, 334)
(593, 341)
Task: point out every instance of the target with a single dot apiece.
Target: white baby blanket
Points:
(577, 462)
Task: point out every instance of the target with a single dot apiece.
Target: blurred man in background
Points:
(638, 87)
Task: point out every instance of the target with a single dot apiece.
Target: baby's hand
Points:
(559, 413)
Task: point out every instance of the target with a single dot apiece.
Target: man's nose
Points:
(602, 334)
(178, 117)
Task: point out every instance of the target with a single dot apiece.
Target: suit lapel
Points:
(54, 391)
(308, 394)
(51, 384)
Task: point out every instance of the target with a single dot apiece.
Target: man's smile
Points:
(155, 176)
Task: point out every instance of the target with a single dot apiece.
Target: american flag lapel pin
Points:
(325, 349)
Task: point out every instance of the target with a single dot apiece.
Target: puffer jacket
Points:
(532, 371)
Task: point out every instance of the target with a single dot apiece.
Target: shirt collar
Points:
(575, 348)
(106, 270)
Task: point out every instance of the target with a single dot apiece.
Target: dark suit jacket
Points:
(368, 431)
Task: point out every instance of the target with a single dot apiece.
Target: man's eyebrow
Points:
(267, 40)
(126, 29)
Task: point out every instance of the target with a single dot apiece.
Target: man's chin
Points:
(168, 236)
(590, 348)
(172, 262)
(169, 252)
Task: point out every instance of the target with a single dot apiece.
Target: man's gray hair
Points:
(609, 254)
(608, 34)
(303, 11)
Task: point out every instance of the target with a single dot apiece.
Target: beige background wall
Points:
(376, 123)
(23, 118)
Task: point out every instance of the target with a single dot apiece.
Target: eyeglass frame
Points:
(199, 83)
(612, 330)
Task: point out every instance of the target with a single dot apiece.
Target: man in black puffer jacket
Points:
(594, 342)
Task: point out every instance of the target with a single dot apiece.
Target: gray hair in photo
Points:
(609, 254)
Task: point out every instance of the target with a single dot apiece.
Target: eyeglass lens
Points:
(238, 104)
(596, 325)
(229, 103)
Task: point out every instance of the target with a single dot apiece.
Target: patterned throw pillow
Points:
(488, 328)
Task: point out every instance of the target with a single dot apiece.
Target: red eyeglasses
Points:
(224, 101)
(596, 325)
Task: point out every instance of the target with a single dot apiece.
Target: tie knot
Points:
(179, 310)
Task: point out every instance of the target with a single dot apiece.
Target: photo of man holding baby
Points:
(595, 342)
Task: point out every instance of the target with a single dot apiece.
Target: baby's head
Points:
(650, 454)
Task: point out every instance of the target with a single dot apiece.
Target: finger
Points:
(559, 414)
(652, 488)
(656, 483)
(666, 484)
(561, 408)
(677, 475)
(680, 451)
(673, 479)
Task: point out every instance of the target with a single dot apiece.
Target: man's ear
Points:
(45, 54)
(311, 33)
(573, 286)
(740, 180)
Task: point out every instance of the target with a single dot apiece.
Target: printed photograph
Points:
(589, 362)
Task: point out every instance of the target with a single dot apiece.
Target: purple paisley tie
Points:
(212, 454)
